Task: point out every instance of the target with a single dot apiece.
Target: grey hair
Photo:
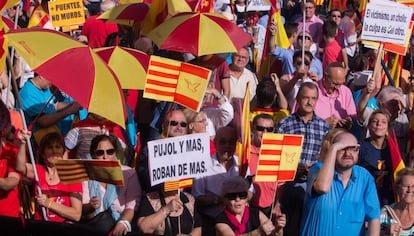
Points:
(385, 92)
(234, 182)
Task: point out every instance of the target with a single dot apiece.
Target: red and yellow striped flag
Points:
(6, 4)
(397, 162)
(279, 157)
(72, 171)
(191, 86)
(177, 184)
(243, 143)
(409, 3)
(3, 48)
(39, 17)
(162, 79)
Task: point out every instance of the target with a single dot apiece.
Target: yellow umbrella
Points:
(129, 65)
(72, 67)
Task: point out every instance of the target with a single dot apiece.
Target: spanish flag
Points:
(73, 171)
(243, 143)
(6, 4)
(279, 157)
(3, 48)
(397, 162)
(39, 17)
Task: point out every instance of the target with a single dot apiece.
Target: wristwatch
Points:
(218, 97)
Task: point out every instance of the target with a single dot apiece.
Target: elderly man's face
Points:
(334, 78)
(347, 157)
(240, 59)
(177, 124)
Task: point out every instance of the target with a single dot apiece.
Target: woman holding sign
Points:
(102, 199)
(63, 202)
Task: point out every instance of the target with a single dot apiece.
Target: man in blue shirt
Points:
(340, 195)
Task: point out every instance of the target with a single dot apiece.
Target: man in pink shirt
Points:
(335, 103)
(313, 24)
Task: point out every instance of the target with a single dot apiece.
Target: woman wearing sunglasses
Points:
(120, 201)
(239, 218)
(62, 202)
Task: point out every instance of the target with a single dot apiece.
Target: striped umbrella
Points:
(72, 67)
(199, 34)
(126, 14)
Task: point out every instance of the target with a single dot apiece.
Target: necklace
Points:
(51, 174)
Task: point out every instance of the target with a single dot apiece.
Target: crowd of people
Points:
(323, 86)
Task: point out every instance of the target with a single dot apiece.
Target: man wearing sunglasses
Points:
(304, 122)
(264, 191)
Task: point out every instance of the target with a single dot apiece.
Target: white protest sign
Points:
(258, 5)
(178, 158)
(386, 21)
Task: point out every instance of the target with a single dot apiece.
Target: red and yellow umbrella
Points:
(130, 65)
(72, 67)
(126, 14)
(8, 24)
(199, 34)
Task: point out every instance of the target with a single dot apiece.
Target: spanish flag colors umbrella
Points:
(72, 67)
(129, 65)
(8, 24)
(199, 34)
(126, 14)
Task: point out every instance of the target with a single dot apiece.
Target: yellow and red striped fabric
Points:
(192, 83)
(162, 79)
(72, 171)
(39, 17)
(409, 3)
(178, 184)
(243, 143)
(279, 157)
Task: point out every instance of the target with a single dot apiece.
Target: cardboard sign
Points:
(385, 25)
(258, 5)
(66, 12)
(178, 158)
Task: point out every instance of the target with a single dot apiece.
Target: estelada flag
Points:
(192, 83)
(279, 157)
(74, 170)
(162, 79)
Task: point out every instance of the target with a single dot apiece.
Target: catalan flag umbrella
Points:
(199, 34)
(126, 14)
(72, 67)
(129, 65)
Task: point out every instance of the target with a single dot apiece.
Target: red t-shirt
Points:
(97, 31)
(9, 200)
(332, 53)
(59, 193)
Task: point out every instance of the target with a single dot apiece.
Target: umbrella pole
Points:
(29, 145)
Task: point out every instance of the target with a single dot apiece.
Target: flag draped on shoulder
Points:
(72, 171)
(279, 157)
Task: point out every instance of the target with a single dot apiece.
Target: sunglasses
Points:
(262, 128)
(337, 16)
(101, 152)
(234, 196)
(298, 63)
(306, 37)
(175, 123)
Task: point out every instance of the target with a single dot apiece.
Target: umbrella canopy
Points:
(199, 34)
(72, 67)
(126, 14)
(8, 24)
(129, 65)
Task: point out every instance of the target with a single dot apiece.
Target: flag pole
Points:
(28, 142)
(303, 34)
(274, 200)
(179, 217)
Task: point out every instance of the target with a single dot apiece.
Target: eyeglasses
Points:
(200, 121)
(306, 37)
(262, 128)
(234, 196)
(101, 152)
(298, 63)
(240, 56)
(309, 8)
(405, 187)
(350, 149)
(175, 123)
